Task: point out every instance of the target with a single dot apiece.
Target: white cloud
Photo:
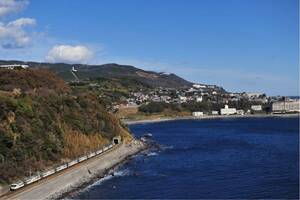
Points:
(14, 35)
(69, 54)
(12, 6)
(22, 22)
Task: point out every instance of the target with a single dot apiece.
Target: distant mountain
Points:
(86, 72)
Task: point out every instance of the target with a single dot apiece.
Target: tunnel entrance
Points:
(116, 140)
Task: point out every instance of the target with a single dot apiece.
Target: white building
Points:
(14, 66)
(182, 99)
(228, 111)
(253, 94)
(199, 86)
(286, 106)
(240, 112)
(214, 112)
(197, 114)
(199, 99)
(256, 107)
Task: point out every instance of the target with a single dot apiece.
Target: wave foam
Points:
(120, 173)
(152, 154)
(163, 147)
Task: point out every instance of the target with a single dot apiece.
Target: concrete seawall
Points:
(64, 182)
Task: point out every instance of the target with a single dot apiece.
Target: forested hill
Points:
(43, 122)
(86, 72)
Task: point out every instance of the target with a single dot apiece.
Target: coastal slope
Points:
(72, 178)
(45, 123)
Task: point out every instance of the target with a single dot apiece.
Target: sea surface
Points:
(210, 159)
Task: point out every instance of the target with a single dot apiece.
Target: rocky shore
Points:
(75, 177)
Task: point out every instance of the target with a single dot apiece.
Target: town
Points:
(214, 101)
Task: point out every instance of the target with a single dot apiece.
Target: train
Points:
(40, 175)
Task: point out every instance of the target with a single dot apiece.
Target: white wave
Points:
(120, 173)
(152, 154)
(166, 147)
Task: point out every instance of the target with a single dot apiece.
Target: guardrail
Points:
(40, 175)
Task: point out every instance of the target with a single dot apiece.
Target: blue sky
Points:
(242, 45)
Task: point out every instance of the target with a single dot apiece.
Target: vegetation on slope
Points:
(112, 70)
(43, 122)
(111, 90)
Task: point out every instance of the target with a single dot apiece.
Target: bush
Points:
(152, 107)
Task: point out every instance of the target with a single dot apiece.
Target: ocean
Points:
(209, 159)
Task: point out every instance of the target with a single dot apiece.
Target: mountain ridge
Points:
(110, 70)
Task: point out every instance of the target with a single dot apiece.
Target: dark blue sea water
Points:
(219, 158)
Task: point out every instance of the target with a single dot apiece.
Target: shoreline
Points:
(164, 119)
(108, 172)
(78, 177)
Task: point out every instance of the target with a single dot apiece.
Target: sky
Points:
(241, 45)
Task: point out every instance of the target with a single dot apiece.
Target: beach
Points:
(130, 122)
(58, 185)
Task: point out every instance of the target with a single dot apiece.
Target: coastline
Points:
(163, 119)
(63, 184)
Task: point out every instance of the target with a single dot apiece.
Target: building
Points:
(197, 114)
(227, 111)
(286, 106)
(199, 86)
(199, 99)
(182, 99)
(240, 112)
(214, 112)
(253, 94)
(256, 107)
(14, 66)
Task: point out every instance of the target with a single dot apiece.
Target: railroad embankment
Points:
(64, 182)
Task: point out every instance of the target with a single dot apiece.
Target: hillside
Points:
(86, 72)
(44, 122)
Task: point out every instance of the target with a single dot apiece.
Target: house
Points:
(256, 107)
(227, 111)
(240, 112)
(214, 112)
(199, 99)
(197, 114)
(182, 99)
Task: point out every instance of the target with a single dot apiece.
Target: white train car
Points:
(90, 155)
(110, 146)
(99, 151)
(17, 185)
(32, 179)
(105, 148)
(62, 167)
(82, 158)
(47, 173)
(73, 162)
